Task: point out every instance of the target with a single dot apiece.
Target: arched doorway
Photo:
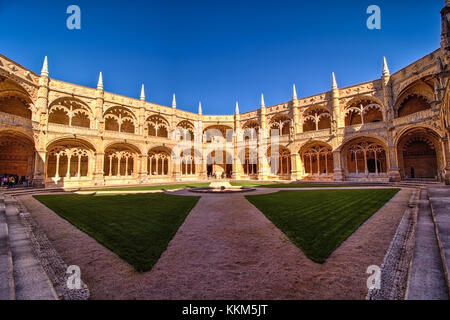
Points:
(17, 155)
(418, 154)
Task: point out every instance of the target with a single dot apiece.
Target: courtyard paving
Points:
(227, 249)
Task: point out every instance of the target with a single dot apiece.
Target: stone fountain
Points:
(221, 187)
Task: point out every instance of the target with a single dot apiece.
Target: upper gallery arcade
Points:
(392, 128)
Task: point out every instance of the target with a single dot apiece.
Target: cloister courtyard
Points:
(277, 242)
(342, 194)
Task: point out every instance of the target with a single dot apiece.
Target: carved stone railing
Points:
(314, 134)
(121, 135)
(61, 128)
(415, 117)
(365, 127)
(7, 118)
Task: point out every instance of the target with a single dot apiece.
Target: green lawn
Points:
(256, 184)
(153, 187)
(137, 227)
(319, 221)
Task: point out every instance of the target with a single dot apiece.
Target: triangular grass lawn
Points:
(137, 227)
(319, 221)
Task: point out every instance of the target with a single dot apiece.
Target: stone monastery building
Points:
(390, 129)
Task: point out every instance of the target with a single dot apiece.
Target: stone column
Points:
(295, 166)
(446, 158)
(39, 169)
(98, 169)
(337, 163)
(143, 177)
(394, 169)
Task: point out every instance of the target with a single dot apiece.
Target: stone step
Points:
(7, 289)
(30, 280)
(440, 209)
(426, 280)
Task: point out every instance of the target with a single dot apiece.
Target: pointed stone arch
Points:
(15, 100)
(282, 123)
(317, 159)
(157, 126)
(420, 154)
(417, 97)
(70, 111)
(365, 158)
(18, 154)
(69, 160)
(121, 119)
(363, 110)
(121, 160)
(316, 118)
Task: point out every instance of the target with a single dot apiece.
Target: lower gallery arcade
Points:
(76, 162)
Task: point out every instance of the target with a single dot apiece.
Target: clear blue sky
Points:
(215, 51)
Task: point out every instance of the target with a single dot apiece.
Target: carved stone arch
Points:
(69, 158)
(365, 157)
(120, 118)
(70, 111)
(18, 153)
(124, 145)
(157, 126)
(367, 136)
(316, 118)
(70, 139)
(363, 109)
(416, 97)
(420, 154)
(280, 162)
(159, 161)
(251, 124)
(184, 130)
(433, 131)
(15, 100)
(281, 122)
(121, 159)
(217, 131)
(317, 159)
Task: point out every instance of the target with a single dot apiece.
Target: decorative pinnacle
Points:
(44, 71)
(174, 101)
(294, 93)
(142, 93)
(100, 82)
(200, 108)
(333, 81)
(263, 105)
(386, 72)
(236, 109)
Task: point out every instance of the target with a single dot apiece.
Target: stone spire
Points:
(386, 72)
(142, 93)
(200, 111)
(263, 105)
(44, 71)
(333, 82)
(236, 109)
(294, 93)
(100, 82)
(174, 102)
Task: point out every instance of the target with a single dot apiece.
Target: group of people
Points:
(12, 180)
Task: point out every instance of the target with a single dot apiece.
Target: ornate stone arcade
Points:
(392, 128)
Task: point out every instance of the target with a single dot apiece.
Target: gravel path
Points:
(227, 249)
